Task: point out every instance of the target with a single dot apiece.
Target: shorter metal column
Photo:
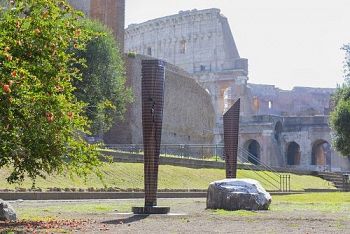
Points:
(231, 129)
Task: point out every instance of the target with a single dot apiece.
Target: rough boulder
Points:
(7, 213)
(237, 194)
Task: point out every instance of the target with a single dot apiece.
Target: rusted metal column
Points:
(152, 118)
(231, 129)
(153, 73)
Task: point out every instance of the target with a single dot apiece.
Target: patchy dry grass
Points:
(302, 213)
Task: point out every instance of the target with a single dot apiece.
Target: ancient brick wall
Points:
(109, 12)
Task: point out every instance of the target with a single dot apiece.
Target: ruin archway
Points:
(278, 130)
(321, 153)
(253, 147)
(293, 153)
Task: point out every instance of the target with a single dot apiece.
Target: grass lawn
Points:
(332, 202)
(130, 175)
(326, 202)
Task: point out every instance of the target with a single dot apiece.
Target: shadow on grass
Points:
(131, 219)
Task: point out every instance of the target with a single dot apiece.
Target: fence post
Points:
(165, 150)
(202, 152)
(280, 183)
(181, 150)
(289, 183)
(216, 155)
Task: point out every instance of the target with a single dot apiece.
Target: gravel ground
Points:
(187, 216)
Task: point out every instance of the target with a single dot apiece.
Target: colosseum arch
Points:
(278, 130)
(254, 149)
(293, 153)
(321, 153)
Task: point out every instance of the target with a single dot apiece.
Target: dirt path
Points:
(187, 216)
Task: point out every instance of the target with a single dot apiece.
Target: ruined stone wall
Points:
(262, 129)
(300, 101)
(109, 12)
(196, 41)
(304, 131)
(188, 116)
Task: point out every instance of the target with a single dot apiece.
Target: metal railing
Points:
(193, 151)
(280, 181)
(346, 182)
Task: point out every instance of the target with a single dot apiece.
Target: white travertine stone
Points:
(196, 41)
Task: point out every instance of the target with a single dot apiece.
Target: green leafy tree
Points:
(340, 116)
(103, 84)
(42, 124)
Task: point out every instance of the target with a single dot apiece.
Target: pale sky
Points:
(287, 42)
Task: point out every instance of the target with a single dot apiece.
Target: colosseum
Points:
(283, 128)
(205, 75)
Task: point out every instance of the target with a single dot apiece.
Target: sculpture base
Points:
(151, 210)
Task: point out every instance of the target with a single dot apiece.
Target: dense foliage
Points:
(103, 84)
(41, 122)
(340, 116)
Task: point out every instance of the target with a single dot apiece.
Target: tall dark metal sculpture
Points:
(231, 129)
(153, 73)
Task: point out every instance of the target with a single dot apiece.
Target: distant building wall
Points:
(188, 116)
